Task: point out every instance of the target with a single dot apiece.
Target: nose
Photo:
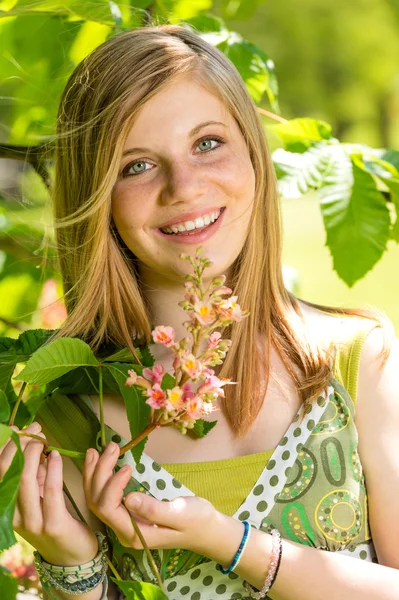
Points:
(185, 182)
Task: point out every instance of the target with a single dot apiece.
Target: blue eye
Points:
(138, 167)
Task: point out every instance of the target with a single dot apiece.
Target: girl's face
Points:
(177, 163)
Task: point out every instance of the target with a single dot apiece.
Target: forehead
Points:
(177, 109)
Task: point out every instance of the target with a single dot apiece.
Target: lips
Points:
(191, 216)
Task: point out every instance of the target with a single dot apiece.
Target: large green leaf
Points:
(201, 428)
(55, 359)
(138, 412)
(9, 486)
(138, 590)
(177, 10)
(254, 65)
(355, 215)
(300, 173)
(299, 134)
(8, 585)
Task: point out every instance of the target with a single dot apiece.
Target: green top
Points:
(227, 482)
(312, 487)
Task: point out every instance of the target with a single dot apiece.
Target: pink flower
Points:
(155, 375)
(204, 312)
(213, 385)
(213, 339)
(187, 392)
(175, 399)
(194, 407)
(164, 335)
(135, 379)
(221, 291)
(156, 396)
(191, 365)
(229, 310)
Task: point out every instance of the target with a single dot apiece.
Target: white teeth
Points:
(190, 225)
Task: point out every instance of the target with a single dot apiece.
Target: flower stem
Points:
(103, 443)
(18, 402)
(47, 449)
(138, 439)
(148, 552)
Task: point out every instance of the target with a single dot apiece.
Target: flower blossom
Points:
(156, 396)
(213, 339)
(135, 379)
(164, 335)
(155, 374)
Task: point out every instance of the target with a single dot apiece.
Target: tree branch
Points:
(34, 155)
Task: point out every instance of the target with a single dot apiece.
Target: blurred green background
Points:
(335, 61)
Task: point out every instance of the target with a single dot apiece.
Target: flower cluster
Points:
(181, 405)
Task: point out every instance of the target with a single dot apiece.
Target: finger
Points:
(53, 497)
(10, 449)
(103, 471)
(29, 502)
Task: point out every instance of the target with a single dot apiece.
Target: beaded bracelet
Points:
(46, 588)
(77, 579)
(239, 552)
(277, 549)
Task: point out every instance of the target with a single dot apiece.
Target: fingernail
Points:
(55, 454)
(89, 456)
(111, 448)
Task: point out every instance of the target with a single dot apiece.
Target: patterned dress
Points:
(312, 489)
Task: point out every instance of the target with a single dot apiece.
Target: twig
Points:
(34, 155)
(271, 115)
(18, 402)
(138, 439)
(13, 324)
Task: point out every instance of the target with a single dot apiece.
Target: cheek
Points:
(130, 210)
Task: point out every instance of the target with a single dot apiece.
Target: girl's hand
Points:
(41, 516)
(182, 523)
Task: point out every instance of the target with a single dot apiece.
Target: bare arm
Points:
(309, 573)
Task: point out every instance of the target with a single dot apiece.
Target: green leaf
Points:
(8, 585)
(5, 412)
(300, 173)
(31, 340)
(254, 66)
(355, 215)
(123, 355)
(55, 359)
(201, 428)
(239, 9)
(168, 382)
(138, 412)
(138, 590)
(299, 134)
(391, 156)
(393, 185)
(9, 486)
(178, 10)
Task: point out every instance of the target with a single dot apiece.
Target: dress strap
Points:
(347, 354)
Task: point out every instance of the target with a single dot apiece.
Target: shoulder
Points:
(377, 422)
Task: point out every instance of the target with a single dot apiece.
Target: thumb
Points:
(153, 510)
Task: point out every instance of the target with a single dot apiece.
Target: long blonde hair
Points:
(102, 293)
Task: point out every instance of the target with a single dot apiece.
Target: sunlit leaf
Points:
(55, 359)
(139, 590)
(299, 134)
(355, 215)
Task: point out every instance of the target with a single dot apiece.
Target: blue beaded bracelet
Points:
(239, 552)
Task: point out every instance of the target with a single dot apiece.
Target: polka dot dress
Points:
(312, 490)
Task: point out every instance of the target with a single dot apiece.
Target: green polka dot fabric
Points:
(312, 490)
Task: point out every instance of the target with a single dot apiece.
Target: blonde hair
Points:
(102, 292)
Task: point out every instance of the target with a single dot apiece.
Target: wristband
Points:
(239, 552)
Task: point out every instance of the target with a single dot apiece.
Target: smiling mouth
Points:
(196, 230)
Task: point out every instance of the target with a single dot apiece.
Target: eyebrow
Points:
(195, 130)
